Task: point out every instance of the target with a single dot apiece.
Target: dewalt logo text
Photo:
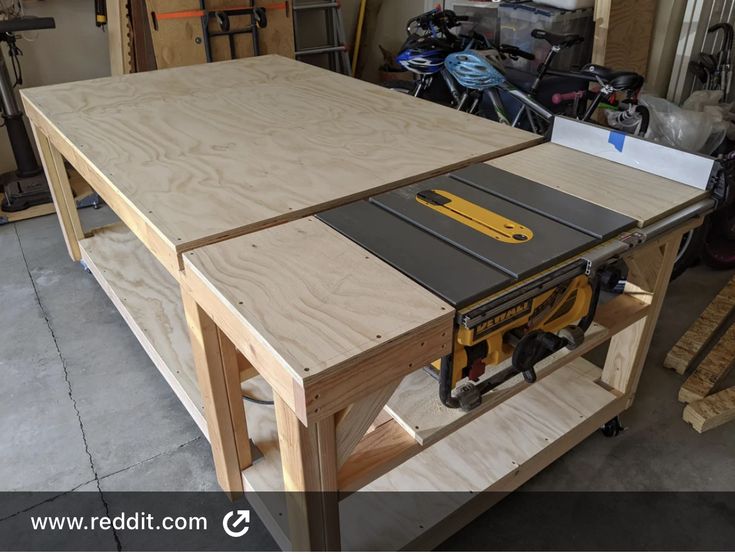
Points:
(484, 328)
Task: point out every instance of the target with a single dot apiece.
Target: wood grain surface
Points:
(212, 151)
(712, 411)
(681, 354)
(306, 305)
(623, 34)
(175, 41)
(637, 194)
(148, 299)
(713, 368)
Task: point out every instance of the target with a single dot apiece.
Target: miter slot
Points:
(548, 241)
(564, 208)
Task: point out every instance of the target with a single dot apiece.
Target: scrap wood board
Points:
(681, 354)
(178, 41)
(712, 411)
(708, 347)
(207, 152)
(713, 369)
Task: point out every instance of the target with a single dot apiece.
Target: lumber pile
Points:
(706, 352)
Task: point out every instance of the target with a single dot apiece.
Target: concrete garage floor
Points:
(84, 409)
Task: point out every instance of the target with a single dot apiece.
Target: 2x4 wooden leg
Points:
(61, 192)
(308, 454)
(218, 375)
(309, 461)
(648, 279)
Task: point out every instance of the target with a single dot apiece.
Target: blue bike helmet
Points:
(423, 54)
(473, 70)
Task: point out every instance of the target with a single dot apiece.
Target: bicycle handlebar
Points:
(514, 51)
(443, 19)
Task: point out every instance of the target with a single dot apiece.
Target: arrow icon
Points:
(231, 529)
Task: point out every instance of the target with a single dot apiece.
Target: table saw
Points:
(490, 243)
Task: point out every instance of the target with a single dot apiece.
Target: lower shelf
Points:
(500, 450)
(149, 300)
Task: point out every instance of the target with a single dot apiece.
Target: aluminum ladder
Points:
(339, 59)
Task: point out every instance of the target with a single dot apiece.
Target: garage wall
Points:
(385, 25)
(75, 50)
(666, 30)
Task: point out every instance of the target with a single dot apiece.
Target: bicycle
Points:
(430, 40)
(483, 72)
(714, 70)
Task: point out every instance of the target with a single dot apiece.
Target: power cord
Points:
(257, 401)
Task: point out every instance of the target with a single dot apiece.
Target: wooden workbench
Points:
(214, 171)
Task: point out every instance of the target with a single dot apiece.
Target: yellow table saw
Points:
(522, 264)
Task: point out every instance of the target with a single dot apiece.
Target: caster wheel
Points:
(612, 428)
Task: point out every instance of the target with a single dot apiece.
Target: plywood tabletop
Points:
(211, 151)
(639, 195)
(308, 306)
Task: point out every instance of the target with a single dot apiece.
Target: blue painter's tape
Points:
(617, 139)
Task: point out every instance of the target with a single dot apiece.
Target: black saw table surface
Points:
(458, 262)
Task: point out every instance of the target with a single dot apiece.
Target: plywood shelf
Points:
(530, 430)
(148, 298)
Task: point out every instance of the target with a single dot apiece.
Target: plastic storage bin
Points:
(483, 17)
(569, 4)
(518, 20)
